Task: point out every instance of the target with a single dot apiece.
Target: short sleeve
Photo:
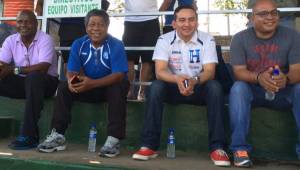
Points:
(161, 50)
(6, 53)
(119, 59)
(294, 53)
(210, 52)
(237, 52)
(46, 49)
(74, 58)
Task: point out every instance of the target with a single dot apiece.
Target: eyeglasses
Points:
(265, 14)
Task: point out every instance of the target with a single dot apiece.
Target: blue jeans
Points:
(243, 95)
(210, 93)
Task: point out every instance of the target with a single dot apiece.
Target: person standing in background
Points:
(140, 31)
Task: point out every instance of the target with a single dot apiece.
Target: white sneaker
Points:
(111, 148)
(53, 142)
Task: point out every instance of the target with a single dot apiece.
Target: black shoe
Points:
(24, 143)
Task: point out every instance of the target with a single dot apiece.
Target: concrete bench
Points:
(273, 133)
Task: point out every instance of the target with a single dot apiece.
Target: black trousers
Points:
(33, 88)
(115, 95)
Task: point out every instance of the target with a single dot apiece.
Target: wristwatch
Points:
(17, 70)
(197, 78)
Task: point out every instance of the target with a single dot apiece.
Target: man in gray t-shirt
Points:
(255, 54)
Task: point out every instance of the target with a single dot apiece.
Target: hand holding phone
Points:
(75, 79)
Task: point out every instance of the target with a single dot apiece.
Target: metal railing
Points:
(224, 48)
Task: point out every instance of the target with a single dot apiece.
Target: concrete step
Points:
(76, 157)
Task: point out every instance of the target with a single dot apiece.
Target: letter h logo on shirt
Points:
(194, 56)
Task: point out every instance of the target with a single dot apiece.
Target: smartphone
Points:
(186, 83)
(75, 80)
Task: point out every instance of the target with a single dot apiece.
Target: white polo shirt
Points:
(186, 58)
(140, 6)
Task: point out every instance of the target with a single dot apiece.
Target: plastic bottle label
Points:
(92, 135)
(171, 140)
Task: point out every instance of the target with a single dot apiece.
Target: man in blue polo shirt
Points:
(96, 71)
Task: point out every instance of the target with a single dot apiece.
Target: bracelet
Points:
(257, 76)
(197, 78)
(287, 79)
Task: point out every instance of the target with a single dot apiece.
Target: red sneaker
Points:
(144, 154)
(220, 158)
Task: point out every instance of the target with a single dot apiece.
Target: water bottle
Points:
(271, 95)
(92, 138)
(171, 144)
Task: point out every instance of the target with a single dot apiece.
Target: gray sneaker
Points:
(53, 142)
(111, 147)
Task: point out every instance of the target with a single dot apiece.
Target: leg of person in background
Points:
(131, 77)
(148, 40)
(145, 76)
(132, 38)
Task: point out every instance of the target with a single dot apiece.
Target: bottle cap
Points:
(171, 130)
(276, 71)
(93, 125)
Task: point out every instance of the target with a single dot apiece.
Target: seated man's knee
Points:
(239, 88)
(156, 88)
(121, 87)
(214, 87)
(63, 85)
(297, 88)
(35, 76)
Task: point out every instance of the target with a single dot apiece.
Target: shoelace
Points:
(52, 136)
(22, 138)
(241, 153)
(221, 152)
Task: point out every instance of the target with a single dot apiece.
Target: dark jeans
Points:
(34, 88)
(210, 94)
(244, 95)
(115, 95)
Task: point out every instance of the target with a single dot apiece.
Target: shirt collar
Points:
(194, 38)
(104, 42)
(34, 39)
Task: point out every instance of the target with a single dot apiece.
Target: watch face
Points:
(16, 70)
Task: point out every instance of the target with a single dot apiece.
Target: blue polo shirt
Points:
(97, 63)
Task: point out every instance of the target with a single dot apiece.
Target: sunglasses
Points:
(265, 14)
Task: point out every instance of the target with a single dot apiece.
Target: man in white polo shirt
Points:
(185, 61)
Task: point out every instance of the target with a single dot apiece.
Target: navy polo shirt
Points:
(97, 63)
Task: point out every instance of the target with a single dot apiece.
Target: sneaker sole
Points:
(109, 155)
(247, 164)
(221, 163)
(22, 148)
(143, 158)
(58, 148)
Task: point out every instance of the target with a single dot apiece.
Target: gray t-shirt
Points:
(282, 49)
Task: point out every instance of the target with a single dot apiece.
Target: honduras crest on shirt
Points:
(194, 56)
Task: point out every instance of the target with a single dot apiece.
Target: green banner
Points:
(70, 8)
